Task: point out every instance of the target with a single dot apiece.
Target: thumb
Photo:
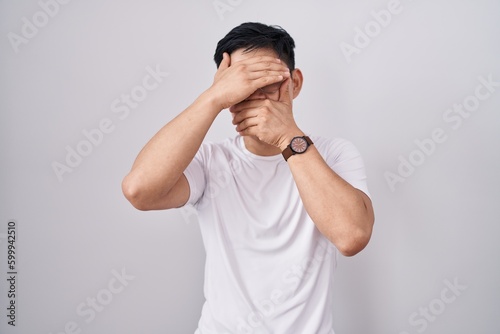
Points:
(226, 61)
(285, 94)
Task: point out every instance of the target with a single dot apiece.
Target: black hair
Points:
(253, 35)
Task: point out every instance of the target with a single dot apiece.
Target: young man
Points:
(274, 205)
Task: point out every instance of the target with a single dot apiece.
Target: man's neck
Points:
(258, 147)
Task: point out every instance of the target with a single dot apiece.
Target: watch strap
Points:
(288, 152)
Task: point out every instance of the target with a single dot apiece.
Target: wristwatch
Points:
(298, 145)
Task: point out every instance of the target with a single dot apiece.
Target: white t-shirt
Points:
(268, 268)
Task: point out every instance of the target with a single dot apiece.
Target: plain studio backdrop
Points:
(415, 85)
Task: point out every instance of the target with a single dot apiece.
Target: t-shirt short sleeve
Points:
(345, 160)
(196, 176)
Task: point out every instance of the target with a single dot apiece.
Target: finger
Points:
(267, 73)
(224, 64)
(246, 124)
(285, 95)
(247, 104)
(226, 61)
(243, 115)
(265, 66)
(267, 60)
(234, 109)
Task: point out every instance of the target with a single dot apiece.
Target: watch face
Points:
(298, 145)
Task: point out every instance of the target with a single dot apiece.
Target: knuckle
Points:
(242, 67)
(266, 80)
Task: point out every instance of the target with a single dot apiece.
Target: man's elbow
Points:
(354, 243)
(134, 194)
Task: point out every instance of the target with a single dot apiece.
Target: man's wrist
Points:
(208, 98)
(288, 138)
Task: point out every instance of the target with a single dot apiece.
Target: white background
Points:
(440, 224)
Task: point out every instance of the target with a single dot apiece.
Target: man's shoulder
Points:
(331, 141)
(229, 144)
(224, 149)
(335, 146)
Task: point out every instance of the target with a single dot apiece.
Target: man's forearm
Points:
(341, 212)
(165, 157)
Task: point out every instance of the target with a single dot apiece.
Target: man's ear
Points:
(297, 80)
